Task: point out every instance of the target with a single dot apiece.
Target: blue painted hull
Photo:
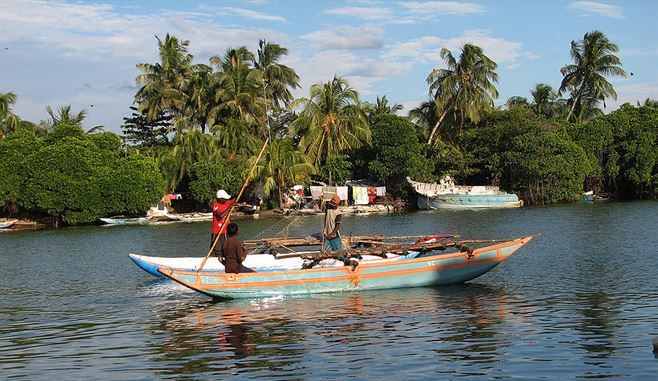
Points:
(503, 200)
(149, 267)
(212, 265)
(424, 271)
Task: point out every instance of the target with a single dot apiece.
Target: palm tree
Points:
(648, 102)
(278, 79)
(8, 120)
(425, 118)
(587, 109)
(546, 102)
(593, 60)
(199, 91)
(239, 94)
(331, 121)
(236, 137)
(465, 87)
(64, 116)
(163, 84)
(380, 107)
(281, 167)
(517, 102)
(187, 148)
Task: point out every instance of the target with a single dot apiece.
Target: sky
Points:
(84, 53)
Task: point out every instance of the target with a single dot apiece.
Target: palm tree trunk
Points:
(575, 100)
(280, 197)
(436, 127)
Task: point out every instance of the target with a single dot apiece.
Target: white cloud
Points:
(361, 73)
(434, 8)
(408, 106)
(347, 37)
(632, 93)
(421, 50)
(600, 9)
(252, 14)
(55, 47)
(531, 55)
(100, 33)
(366, 13)
(426, 49)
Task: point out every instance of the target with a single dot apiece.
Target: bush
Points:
(397, 154)
(546, 167)
(208, 177)
(80, 178)
(61, 179)
(14, 149)
(338, 167)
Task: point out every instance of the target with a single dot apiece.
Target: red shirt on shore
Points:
(218, 223)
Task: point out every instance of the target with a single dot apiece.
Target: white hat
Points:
(222, 194)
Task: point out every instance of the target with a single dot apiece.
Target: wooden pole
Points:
(233, 205)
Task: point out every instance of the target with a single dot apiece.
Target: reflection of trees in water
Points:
(471, 319)
(337, 320)
(279, 335)
(598, 323)
(216, 338)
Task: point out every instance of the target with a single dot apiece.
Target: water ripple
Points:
(572, 304)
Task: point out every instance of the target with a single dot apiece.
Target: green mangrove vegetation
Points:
(197, 127)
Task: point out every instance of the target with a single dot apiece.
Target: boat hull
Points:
(424, 271)
(449, 201)
(7, 224)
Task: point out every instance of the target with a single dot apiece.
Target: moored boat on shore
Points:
(446, 194)
(7, 224)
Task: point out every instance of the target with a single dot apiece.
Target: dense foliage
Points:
(547, 161)
(198, 127)
(396, 153)
(208, 177)
(76, 177)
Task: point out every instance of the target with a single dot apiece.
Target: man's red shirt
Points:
(217, 209)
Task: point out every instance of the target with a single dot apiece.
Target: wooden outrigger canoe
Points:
(425, 269)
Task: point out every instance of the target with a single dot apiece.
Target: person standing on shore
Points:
(332, 218)
(233, 251)
(220, 219)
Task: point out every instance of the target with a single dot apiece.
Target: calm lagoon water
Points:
(580, 301)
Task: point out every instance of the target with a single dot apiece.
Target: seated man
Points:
(233, 252)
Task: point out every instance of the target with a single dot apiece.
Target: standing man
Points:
(332, 219)
(220, 219)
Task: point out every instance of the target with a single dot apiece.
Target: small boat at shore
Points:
(382, 265)
(123, 220)
(7, 224)
(446, 194)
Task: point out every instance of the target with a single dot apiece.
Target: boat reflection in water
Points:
(281, 335)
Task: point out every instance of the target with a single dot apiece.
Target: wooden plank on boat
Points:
(313, 241)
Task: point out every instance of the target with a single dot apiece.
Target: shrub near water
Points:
(80, 177)
(13, 151)
(397, 153)
(530, 156)
(207, 178)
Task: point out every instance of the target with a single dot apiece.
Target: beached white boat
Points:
(446, 194)
(7, 224)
